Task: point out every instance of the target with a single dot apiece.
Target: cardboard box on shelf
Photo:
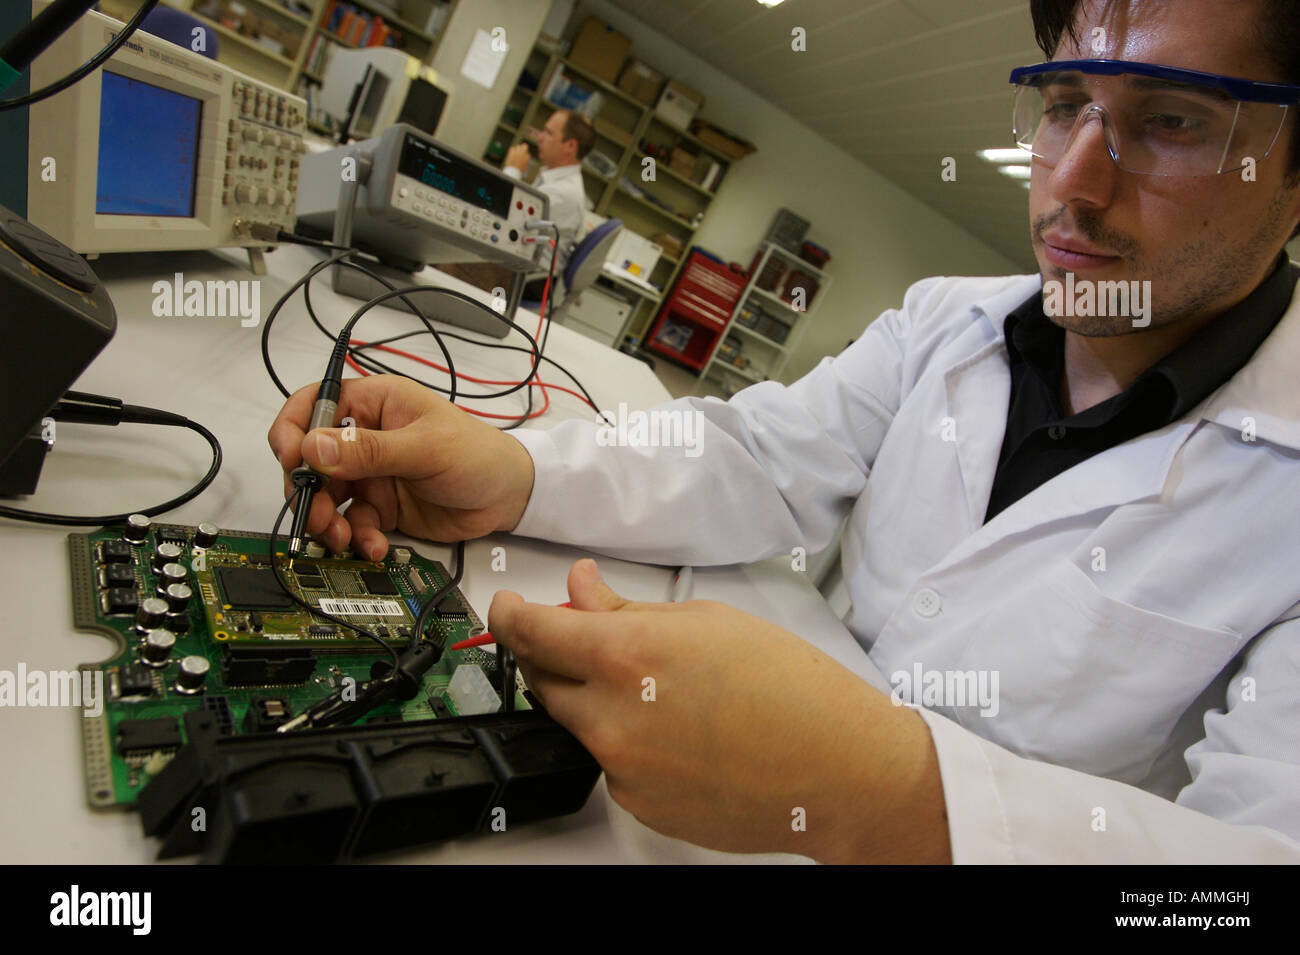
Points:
(683, 162)
(678, 104)
(641, 82)
(670, 244)
(728, 144)
(599, 49)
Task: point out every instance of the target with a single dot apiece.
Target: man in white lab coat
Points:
(1072, 539)
(562, 143)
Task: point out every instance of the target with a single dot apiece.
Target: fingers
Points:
(556, 639)
(368, 540)
(588, 591)
(324, 522)
(380, 401)
(355, 453)
(285, 436)
(560, 695)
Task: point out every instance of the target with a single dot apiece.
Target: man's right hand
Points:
(519, 157)
(413, 462)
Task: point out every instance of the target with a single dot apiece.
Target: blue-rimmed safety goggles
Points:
(1157, 120)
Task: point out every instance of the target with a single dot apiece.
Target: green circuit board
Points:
(267, 658)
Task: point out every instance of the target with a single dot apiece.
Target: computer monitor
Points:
(365, 91)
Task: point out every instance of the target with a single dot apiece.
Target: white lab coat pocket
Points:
(1115, 677)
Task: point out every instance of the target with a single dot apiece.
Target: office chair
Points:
(177, 26)
(584, 265)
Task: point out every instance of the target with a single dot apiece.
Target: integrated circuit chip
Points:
(134, 679)
(378, 582)
(252, 588)
(451, 606)
(145, 736)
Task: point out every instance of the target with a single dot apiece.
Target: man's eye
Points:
(1173, 123)
(1061, 112)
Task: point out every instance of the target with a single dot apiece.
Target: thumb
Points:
(588, 590)
(355, 453)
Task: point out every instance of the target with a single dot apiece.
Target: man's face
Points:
(1202, 242)
(550, 140)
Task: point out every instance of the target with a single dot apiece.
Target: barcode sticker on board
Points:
(362, 608)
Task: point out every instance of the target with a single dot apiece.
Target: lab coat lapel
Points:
(978, 392)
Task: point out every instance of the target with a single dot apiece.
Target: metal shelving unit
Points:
(249, 56)
(623, 124)
(772, 354)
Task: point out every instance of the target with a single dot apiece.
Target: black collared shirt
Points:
(1040, 442)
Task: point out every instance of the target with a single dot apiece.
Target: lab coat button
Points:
(926, 602)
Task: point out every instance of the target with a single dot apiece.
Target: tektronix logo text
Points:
(76, 908)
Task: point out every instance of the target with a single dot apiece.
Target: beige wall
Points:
(472, 111)
(881, 238)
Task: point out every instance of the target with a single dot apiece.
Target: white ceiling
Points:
(900, 84)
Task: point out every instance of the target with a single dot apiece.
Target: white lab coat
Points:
(1142, 609)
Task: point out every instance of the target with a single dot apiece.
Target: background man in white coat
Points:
(1102, 510)
(562, 143)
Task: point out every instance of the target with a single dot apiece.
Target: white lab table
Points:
(210, 369)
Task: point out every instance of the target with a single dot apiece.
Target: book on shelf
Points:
(357, 27)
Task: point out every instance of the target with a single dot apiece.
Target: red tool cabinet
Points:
(696, 313)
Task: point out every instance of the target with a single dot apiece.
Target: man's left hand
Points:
(725, 730)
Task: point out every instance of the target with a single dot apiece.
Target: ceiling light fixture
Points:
(770, 3)
(1016, 172)
(1006, 155)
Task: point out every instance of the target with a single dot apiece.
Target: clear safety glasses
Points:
(1157, 120)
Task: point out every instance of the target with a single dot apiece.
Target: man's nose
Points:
(1086, 171)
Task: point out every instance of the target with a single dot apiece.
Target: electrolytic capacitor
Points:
(178, 596)
(193, 671)
(170, 574)
(205, 535)
(137, 529)
(167, 553)
(158, 647)
(150, 613)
